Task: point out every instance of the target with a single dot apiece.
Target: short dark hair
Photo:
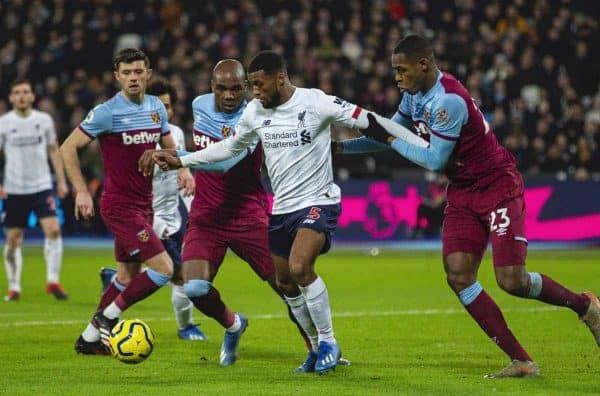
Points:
(160, 86)
(268, 61)
(414, 47)
(130, 55)
(19, 81)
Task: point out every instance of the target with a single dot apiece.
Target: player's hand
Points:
(2, 192)
(186, 182)
(375, 131)
(84, 206)
(166, 161)
(146, 163)
(62, 190)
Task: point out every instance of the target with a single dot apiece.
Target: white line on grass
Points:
(347, 314)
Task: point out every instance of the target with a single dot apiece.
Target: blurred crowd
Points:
(529, 64)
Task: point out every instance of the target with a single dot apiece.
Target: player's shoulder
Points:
(41, 115)
(175, 129)
(451, 89)
(204, 102)
(7, 116)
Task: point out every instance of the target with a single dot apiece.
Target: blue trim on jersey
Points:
(468, 295)
(218, 167)
(362, 145)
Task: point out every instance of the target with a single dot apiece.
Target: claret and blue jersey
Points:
(125, 130)
(461, 141)
(232, 187)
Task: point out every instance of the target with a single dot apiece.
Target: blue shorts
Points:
(283, 227)
(18, 207)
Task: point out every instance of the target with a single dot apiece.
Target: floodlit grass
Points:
(394, 316)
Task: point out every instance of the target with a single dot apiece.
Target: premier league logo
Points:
(143, 235)
(226, 131)
(155, 117)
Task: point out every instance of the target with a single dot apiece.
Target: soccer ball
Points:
(131, 341)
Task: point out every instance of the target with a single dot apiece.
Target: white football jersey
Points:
(296, 140)
(165, 201)
(25, 142)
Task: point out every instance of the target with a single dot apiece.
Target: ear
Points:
(280, 78)
(424, 65)
(116, 74)
(149, 74)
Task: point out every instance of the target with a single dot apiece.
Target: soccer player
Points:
(230, 207)
(485, 198)
(167, 219)
(28, 139)
(293, 126)
(126, 125)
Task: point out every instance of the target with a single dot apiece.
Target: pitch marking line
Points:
(348, 314)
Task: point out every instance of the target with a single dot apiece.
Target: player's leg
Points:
(510, 250)
(251, 244)
(53, 254)
(13, 262)
(17, 209)
(464, 242)
(89, 341)
(182, 306)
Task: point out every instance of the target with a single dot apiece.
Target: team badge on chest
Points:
(226, 131)
(155, 117)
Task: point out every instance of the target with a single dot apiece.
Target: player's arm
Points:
(59, 171)
(217, 167)
(83, 201)
(447, 119)
(2, 165)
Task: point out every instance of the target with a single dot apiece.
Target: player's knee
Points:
(196, 288)
(515, 285)
(286, 287)
(459, 281)
(53, 233)
(13, 241)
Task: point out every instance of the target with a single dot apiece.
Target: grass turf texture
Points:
(395, 318)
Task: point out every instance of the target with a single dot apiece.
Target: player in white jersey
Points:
(293, 126)
(167, 218)
(28, 139)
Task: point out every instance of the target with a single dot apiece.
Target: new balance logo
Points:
(141, 138)
(305, 137)
(308, 221)
(266, 123)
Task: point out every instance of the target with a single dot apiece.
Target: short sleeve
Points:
(50, 131)
(97, 121)
(448, 115)
(336, 109)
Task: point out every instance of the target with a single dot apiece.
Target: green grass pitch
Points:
(394, 316)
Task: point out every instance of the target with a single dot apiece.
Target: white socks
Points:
(300, 310)
(182, 306)
(317, 302)
(13, 263)
(237, 324)
(91, 334)
(112, 311)
(53, 251)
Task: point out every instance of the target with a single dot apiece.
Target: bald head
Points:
(229, 67)
(229, 85)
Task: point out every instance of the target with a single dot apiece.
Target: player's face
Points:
(133, 77)
(409, 74)
(21, 97)
(166, 100)
(229, 90)
(265, 88)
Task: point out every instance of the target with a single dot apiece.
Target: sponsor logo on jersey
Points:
(305, 137)
(266, 123)
(202, 141)
(226, 131)
(143, 235)
(143, 137)
(155, 117)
